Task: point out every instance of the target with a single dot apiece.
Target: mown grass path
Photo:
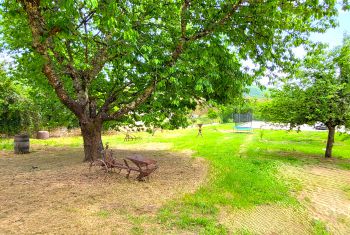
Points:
(245, 145)
(275, 218)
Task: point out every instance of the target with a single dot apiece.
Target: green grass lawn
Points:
(237, 181)
(308, 142)
(243, 169)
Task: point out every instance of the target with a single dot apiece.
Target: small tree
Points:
(319, 93)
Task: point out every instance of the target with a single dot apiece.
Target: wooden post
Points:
(200, 130)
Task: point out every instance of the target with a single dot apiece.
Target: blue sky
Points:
(334, 36)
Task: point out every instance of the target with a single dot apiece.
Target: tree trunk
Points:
(330, 141)
(93, 146)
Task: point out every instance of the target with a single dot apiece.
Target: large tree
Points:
(142, 59)
(319, 91)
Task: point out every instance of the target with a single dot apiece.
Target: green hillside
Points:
(255, 92)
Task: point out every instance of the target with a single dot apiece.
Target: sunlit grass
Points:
(6, 144)
(236, 181)
(308, 142)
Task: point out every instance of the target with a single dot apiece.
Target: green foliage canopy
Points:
(112, 51)
(319, 91)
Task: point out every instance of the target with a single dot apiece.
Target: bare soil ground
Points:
(324, 193)
(51, 191)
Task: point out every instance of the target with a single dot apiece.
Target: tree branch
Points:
(211, 28)
(37, 26)
(179, 48)
(70, 70)
(206, 31)
(86, 19)
(98, 62)
(111, 98)
(101, 58)
(184, 10)
(133, 105)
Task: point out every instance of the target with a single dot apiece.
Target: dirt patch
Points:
(51, 191)
(324, 194)
(266, 219)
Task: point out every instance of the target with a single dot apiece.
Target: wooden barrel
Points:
(43, 135)
(21, 144)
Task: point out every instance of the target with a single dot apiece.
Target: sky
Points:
(334, 36)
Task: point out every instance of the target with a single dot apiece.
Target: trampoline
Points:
(243, 122)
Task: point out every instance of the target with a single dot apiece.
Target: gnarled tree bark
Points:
(91, 133)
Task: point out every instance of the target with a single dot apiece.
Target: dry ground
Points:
(51, 191)
(324, 194)
(266, 219)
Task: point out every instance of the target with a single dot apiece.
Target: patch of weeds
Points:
(261, 133)
(6, 144)
(104, 214)
(342, 219)
(347, 191)
(193, 216)
(243, 232)
(137, 230)
(293, 184)
(343, 165)
(137, 224)
(319, 228)
(71, 209)
(307, 199)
